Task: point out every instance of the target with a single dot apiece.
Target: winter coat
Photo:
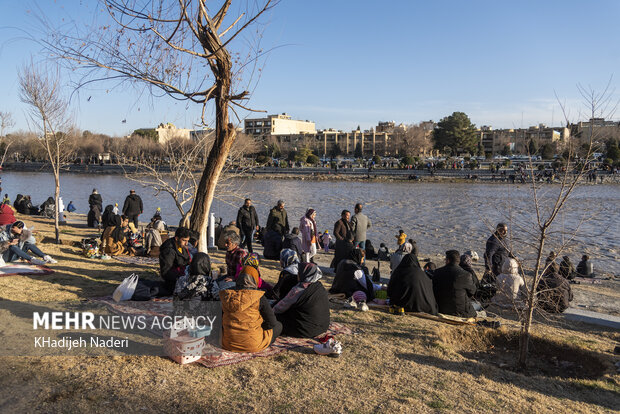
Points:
(94, 215)
(278, 221)
(453, 287)
(309, 315)
(198, 284)
(272, 244)
(133, 205)
(286, 281)
(585, 268)
(342, 230)
(345, 281)
(172, 262)
(554, 293)
(411, 288)
(107, 215)
(110, 246)
(509, 285)
(567, 269)
(242, 320)
(7, 215)
(293, 242)
(306, 229)
(95, 200)
(359, 224)
(495, 254)
(247, 218)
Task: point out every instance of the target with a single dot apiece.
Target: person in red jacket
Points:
(7, 215)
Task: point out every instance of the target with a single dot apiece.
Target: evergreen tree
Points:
(457, 133)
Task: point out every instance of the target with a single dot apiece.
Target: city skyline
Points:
(348, 64)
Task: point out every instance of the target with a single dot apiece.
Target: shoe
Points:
(350, 304)
(362, 306)
(48, 259)
(397, 310)
(330, 348)
(37, 262)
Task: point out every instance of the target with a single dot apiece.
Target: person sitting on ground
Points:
(248, 322)
(293, 241)
(288, 276)
(466, 264)
(383, 253)
(371, 254)
(304, 311)
(152, 235)
(18, 241)
(549, 261)
(174, 257)
(7, 215)
(198, 283)
(230, 227)
(429, 269)
(234, 256)
(352, 276)
(71, 207)
(107, 215)
(403, 250)
(17, 202)
(553, 291)
(453, 288)
(114, 237)
(567, 269)
(496, 250)
(47, 208)
(510, 286)
(585, 268)
(6, 199)
(410, 288)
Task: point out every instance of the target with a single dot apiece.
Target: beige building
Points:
(281, 124)
(166, 132)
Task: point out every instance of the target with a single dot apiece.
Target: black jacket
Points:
(272, 243)
(133, 205)
(172, 261)
(411, 288)
(293, 242)
(278, 221)
(453, 287)
(247, 218)
(309, 316)
(345, 282)
(95, 200)
(495, 254)
(269, 318)
(286, 282)
(554, 293)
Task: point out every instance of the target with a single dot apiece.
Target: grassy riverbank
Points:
(389, 364)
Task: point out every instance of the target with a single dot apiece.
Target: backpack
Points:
(90, 247)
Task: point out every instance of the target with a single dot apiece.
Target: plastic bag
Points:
(126, 289)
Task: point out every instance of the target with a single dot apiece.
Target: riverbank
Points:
(316, 173)
(398, 364)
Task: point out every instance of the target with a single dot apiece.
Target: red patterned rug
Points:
(212, 356)
(24, 269)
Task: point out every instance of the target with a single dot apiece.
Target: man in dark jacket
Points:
(278, 219)
(553, 291)
(496, 251)
(133, 207)
(95, 200)
(344, 238)
(247, 221)
(173, 257)
(453, 288)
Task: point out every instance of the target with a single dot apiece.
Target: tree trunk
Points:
(56, 202)
(224, 138)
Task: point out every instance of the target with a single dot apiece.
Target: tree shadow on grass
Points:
(558, 389)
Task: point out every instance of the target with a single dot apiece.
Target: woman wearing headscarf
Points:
(107, 215)
(309, 234)
(248, 322)
(403, 250)
(199, 283)
(352, 277)
(114, 236)
(152, 237)
(466, 264)
(288, 276)
(411, 288)
(509, 285)
(554, 292)
(304, 311)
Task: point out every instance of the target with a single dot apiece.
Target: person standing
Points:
(309, 235)
(344, 238)
(360, 223)
(277, 227)
(95, 203)
(133, 207)
(496, 251)
(247, 220)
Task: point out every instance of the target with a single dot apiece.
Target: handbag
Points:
(125, 290)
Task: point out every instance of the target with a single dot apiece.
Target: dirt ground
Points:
(389, 364)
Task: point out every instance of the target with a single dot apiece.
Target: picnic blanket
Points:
(213, 357)
(16, 269)
(148, 261)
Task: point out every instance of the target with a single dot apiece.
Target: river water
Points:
(439, 216)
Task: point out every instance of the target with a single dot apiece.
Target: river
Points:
(439, 216)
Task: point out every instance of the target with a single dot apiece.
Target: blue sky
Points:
(347, 63)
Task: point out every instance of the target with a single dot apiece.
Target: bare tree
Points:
(6, 122)
(181, 49)
(412, 140)
(40, 89)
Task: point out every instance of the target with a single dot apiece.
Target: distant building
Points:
(166, 132)
(517, 140)
(598, 128)
(278, 125)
